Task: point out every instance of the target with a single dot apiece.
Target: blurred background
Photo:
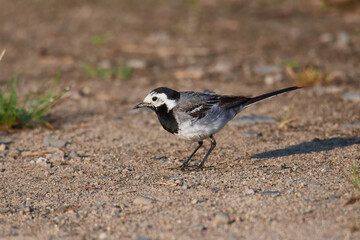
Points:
(120, 50)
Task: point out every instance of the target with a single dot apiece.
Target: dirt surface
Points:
(111, 174)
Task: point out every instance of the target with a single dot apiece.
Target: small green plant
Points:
(100, 39)
(194, 7)
(30, 111)
(354, 177)
(124, 72)
(96, 71)
(290, 64)
(338, 4)
(307, 76)
(120, 71)
(284, 122)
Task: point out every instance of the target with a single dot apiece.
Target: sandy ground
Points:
(108, 171)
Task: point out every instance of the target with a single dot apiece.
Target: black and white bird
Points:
(196, 116)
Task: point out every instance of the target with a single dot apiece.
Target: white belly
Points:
(197, 131)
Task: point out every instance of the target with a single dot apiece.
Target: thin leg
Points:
(213, 145)
(197, 148)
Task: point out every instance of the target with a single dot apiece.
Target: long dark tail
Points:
(260, 98)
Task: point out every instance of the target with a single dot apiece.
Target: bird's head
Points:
(160, 97)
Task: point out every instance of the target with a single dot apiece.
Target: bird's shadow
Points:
(316, 145)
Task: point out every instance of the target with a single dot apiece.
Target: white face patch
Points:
(157, 99)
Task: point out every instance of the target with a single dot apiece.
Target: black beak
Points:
(141, 105)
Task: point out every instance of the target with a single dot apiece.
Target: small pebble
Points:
(223, 67)
(326, 169)
(56, 143)
(326, 38)
(41, 160)
(332, 197)
(271, 193)
(198, 227)
(248, 191)
(141, 238)
(143, 201)
(273, 78)
(179, 181)
(5, 142)
(115, 211)
(252, 134)
(343, 41)
(351, 125)
(137, 63)
(185, 186)
(57, 155)
(194, 201)
(2, 147)
(159, 37)
(266, 69)
(13, 153)
(5, 210)
(352, 96)
(320, 90)
(48, 165)
(102, 235)
(126, 170)
(314, 184)
(74, 155)
(105, 63)
(221, 219)
(159, 156)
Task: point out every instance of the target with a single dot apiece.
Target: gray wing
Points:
(197, 104)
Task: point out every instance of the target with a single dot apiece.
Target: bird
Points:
(197, 116)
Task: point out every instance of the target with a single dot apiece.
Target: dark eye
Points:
(154, 99)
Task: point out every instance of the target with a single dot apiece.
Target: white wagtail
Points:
(196, 116)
